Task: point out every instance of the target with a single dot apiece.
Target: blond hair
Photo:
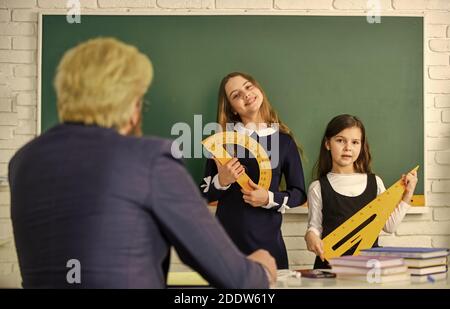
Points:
(98, 81)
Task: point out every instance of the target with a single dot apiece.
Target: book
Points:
(380, 279)
(367, 261)
(428, 278)
(410, 262)
(347, 270)
(411, 252)
(428, 270)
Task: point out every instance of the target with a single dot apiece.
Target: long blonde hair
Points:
(268, 114)
(98, 81)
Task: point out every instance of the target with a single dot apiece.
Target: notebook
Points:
(410, 262)
(343, 270)
(411, 252)
(428, 278)
(380, 279)
(367, 261)
(428, 270)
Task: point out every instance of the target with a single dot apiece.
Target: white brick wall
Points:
(13, 4)
(126, 3)
(5, 15)
(24, 15)
(5, 105)
(24, 42)
(441, 18)
(421, 4)
(302, 4)
(441, 241)
(16, 28)
(433, 115)
(185, 4)
(244, 4)
(18, 71)
(432, 58)
(5, 42)
(406, 241)
(436, 31)
(17, 56)
(62, 4)
(439, 72)
(440, 45)
(25, 70)
(360, 4)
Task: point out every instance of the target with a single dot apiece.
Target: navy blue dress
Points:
(253, 228)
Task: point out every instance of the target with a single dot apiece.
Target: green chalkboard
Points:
(311, 67)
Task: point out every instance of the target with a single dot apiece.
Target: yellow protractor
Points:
(215, 144)
(363, 228)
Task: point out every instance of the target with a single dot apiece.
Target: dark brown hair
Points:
(324, 163)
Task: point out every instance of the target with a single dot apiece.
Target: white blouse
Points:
(348, 185)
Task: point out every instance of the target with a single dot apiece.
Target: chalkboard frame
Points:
(324, 13)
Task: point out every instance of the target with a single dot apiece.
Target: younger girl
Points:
(345, 184)
(253, 218)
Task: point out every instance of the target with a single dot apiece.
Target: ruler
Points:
(363, 228)
(215, 144)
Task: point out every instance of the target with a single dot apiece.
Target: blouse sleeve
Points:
(315, 206)
(397, 215)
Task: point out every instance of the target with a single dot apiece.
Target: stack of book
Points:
(424, 264)
(371, 269)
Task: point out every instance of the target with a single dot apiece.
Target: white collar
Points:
(240, 128)
(332, 174)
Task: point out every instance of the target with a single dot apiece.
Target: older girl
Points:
(253, 218)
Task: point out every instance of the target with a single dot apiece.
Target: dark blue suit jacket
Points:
(116, 204)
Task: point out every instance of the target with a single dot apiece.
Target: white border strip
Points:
(237, 12)
(425, 115)
(39, 76)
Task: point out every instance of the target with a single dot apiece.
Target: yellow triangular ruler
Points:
(365, 226)
(215, 145)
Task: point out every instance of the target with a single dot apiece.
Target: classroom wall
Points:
(18, 105)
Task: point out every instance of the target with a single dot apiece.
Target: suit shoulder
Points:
(149, 146)
(25, 148)
(153, 142)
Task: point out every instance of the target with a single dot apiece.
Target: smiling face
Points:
(345, 148)
(245, 98)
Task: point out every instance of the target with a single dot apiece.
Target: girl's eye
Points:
(355, 142)
(249, 87)
(339, 140)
